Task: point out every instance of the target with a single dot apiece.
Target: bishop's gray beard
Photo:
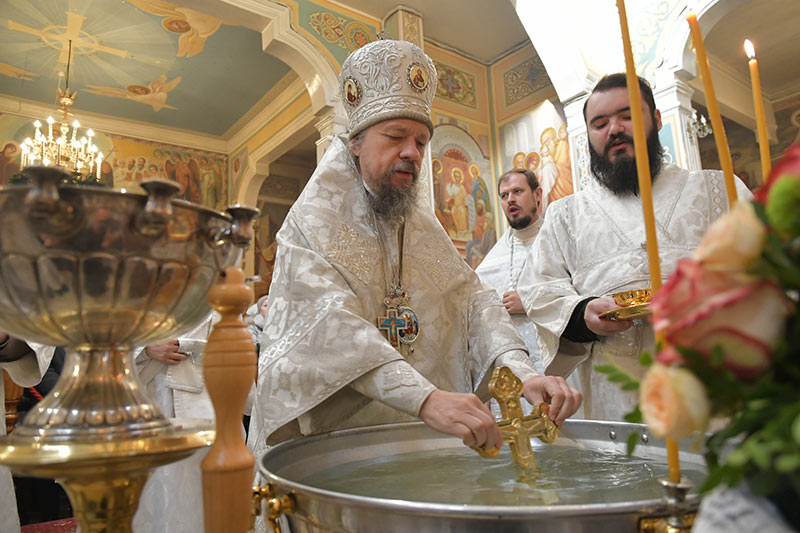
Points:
(389, 202)
(621, 177)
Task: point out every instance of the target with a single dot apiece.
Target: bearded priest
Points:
(592, 244)
(373, 316)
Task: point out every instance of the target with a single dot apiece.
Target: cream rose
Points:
(733, 241)
(673, 402)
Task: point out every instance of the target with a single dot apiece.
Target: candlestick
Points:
(758, 104)
(646, 193)
(723, 150)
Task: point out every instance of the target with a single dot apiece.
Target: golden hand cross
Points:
(516, 427)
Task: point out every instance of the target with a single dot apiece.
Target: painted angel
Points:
(155, 94)
(193, 26)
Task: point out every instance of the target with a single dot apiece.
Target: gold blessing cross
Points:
(516, 427)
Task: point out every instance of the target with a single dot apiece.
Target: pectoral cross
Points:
(400, 325)
(516, 427)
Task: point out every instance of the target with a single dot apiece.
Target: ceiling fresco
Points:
(145, 60)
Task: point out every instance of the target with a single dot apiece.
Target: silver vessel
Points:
(316, 510)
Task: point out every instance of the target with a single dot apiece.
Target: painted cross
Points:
(392, 324)
(516, 427)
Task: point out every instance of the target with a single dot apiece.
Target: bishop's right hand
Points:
(462, 415)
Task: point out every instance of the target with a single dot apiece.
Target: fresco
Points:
(201, 174)
(538, 141)
(145, 60)
(265, 227)
(462, 198)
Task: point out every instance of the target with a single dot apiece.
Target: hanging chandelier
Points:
(80, 156)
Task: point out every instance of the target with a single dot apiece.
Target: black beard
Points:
(621, 176)
(389, 202)
(520, 223)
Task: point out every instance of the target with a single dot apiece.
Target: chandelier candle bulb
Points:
(50, 128)
(723, 150)
(758, 105)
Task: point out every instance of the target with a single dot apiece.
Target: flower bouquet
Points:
(729, 317)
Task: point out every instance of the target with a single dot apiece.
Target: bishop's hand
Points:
(603, 326)
(563, 399)
(462, 415)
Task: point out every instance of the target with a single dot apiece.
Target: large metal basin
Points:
(321, 510)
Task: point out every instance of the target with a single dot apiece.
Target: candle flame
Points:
(749, 49)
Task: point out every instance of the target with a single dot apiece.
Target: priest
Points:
(521, 200)
(592, 244)
(373, 316)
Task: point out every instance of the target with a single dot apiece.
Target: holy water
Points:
(566, 476)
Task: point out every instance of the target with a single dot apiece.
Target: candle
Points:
(723, 150)
(646, 193)
(758, 104)
(50, 128)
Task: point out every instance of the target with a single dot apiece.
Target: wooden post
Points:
(229, 369)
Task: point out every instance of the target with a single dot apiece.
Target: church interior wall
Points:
(203, 174)
(744, 147)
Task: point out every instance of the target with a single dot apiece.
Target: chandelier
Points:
(78, 155)
(698, 127)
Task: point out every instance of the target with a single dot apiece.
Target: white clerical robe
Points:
(320, 331)
(501, 269)
(592, 243)
(26, 372)
(172, 499)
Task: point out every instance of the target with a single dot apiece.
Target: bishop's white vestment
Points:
(501, 269)
(26, 372)
(320, 335)
(592, 243)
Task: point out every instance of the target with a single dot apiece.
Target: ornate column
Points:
(578, 142)
(330, 123)
(674, 100)
(405, 24)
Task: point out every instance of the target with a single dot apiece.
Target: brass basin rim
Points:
(24, 454)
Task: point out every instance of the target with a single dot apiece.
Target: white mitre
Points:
(387, 79)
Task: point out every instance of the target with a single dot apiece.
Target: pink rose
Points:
(734, 240)
(700, 308)
(673, 402)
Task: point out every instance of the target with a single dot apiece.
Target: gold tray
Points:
(627, 313)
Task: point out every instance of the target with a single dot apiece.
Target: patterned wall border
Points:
(456, 85)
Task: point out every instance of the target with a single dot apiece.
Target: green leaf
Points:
(645, 359)
(630, 385)
(606, 369)
(634, 416)
(796, 430)
(787, 463)
(618, 377)
(633, 439)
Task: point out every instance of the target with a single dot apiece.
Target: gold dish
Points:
(627, 313)
(633, 297)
